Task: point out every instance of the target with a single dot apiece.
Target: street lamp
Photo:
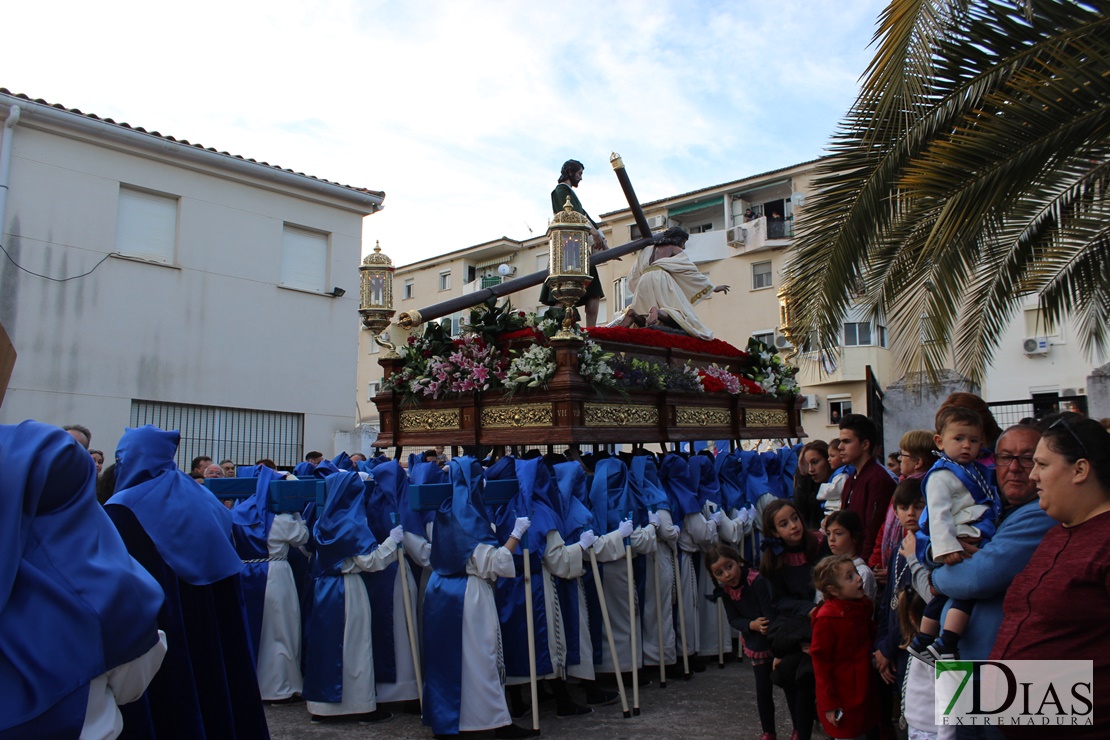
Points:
(376, 303)
(569, 263)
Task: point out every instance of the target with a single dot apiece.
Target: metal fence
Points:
(1008, 413)
(241, 435)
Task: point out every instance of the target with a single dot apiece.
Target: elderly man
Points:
(985, 576)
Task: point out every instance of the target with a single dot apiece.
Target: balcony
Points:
(760, 234)
(845, 365)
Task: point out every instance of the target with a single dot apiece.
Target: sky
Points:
(462, 112)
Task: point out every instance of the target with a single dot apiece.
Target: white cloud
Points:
(462, 111)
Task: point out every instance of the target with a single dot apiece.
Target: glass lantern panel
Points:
(573, 244)
(377, 290)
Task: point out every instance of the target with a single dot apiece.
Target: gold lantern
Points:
(376, 304)
(568, 262)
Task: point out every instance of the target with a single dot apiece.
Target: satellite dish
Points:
(504, 270)
(798, 199)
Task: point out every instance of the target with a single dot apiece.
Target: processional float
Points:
(569, 410)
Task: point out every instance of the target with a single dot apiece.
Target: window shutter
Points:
(304, 260)
(146, 225)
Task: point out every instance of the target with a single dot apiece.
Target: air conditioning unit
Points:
(737, 236)
(657, 222)
(810, 402)
(781, 342)
(1033, 346)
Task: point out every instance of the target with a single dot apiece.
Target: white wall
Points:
(215, 329)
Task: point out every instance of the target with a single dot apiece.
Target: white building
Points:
(184, 287)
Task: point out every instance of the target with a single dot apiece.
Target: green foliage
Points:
(972, 171)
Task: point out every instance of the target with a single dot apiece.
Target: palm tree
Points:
(971, 171)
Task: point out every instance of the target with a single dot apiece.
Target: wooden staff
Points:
(609, 633)
(410, 623)
(531, 640)
(632, 629)
(681, 612)
(659, 619)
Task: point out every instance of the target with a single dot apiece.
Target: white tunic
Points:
(663, 560)
(696, 535)
(358, 651)
(482, 699)
(404, 687)
(121, 685)
(279, 649)
(614, 579)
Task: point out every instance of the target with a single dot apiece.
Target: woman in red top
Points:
(847, 703)
(1058, 608)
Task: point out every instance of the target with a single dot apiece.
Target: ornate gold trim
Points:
(702, 416)
(520, 415)
(766, 418)
(429, 420)
(620, 415)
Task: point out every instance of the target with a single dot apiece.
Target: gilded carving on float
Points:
(766, 418)
(429, 420)
(620, 415)
(699, 416)
(524, 415)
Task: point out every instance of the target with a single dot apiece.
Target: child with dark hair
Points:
(790, 551)
(842, 633)
(962, 510)
(844, 532)
(747, 601)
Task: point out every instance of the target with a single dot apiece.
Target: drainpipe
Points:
(6, 164)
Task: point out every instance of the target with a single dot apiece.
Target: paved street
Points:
(716, 703)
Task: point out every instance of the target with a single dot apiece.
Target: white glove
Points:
(625, 529)
(653, 518)
(717, 516)
(712, 525)
(587, 539)
(521, 526)
(397, 534)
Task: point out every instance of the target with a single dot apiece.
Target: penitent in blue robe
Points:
(179, 532)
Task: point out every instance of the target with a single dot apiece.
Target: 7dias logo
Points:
(1027, 693)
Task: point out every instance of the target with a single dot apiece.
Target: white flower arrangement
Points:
(593, 364)
(532, 369)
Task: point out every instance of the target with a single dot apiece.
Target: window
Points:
(406, 291)
(304, 259)
(857, 334)
(881, 330)
(622, 296)
(767, 337)
(372, 389)
(541, 262)
(146, 225)
(241, 435)
(445, 280)
(374, 347)
(761, 275)
(701, 228)
(838, 409)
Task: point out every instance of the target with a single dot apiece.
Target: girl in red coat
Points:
(841, 650)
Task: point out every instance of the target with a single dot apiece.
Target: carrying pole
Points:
(531, 640)
(609, 633)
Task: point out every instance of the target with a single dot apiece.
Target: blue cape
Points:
(73, 602)
(610, 499)
(733, 481)
(788, 462)
(674, 475)
(251, 521)
(461, 523)
(341, 530)
(703, 473)
(757, 483)
(570, 481)
(304, 469)
(190, 528)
